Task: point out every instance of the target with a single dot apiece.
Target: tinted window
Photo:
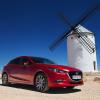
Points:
(25, 61)
(15, 61)
(42, 60)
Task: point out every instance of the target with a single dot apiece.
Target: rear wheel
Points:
(5, 79)
(41, 82)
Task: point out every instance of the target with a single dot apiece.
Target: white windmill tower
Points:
(80, 43)
(80, 55)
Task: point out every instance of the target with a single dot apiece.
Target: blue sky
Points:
(28, 27)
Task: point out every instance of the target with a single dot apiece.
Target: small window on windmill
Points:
(94, 65)
(71, 37)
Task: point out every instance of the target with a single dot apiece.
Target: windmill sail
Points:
(85, 41)
(87, 46)
(82, 37)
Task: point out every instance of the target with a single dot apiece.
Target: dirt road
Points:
(89, 91)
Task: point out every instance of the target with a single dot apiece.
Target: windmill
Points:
(80, 43)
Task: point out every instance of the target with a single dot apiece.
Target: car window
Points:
(42, 60)
(25, 61)
(15, 61)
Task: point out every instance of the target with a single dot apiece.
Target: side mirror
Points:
(26, 64)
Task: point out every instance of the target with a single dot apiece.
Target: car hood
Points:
(60, 67)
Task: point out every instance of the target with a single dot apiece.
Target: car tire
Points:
(41, 82)
(5, 81)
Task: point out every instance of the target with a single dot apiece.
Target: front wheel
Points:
(5, 79)
(41, 83)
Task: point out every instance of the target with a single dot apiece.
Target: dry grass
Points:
(97, 79)
(91, 73)
(91, 76)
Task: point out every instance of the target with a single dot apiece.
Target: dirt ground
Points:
(89, 91)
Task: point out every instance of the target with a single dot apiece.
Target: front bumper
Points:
(62, 80)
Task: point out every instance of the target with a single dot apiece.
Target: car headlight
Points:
(57, 70)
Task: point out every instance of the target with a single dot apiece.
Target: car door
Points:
(14, 70)
(25, 72)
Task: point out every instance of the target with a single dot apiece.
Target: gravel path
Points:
(89, 91)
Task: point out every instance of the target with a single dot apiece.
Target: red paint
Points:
(25, 74)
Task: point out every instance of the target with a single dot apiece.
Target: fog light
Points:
(59, 81)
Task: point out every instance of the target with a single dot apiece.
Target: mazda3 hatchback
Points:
(41, 73)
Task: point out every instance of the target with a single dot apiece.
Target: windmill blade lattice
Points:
(85, 37)
(86, 42)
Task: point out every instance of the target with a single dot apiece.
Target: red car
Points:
(40, 72)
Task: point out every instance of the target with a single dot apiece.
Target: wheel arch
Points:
(4, 73)
(38, 72)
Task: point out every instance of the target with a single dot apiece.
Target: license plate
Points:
(76, 77)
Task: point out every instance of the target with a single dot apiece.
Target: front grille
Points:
(71, 74)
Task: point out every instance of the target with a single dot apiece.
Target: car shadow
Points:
(21, 86)
(63, 91)
(51, 91)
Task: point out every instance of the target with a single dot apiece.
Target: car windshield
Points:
(42, 60)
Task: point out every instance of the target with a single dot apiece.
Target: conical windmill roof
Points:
(83, 29)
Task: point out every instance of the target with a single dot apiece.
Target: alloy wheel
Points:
(41, 83)
(4, 79)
